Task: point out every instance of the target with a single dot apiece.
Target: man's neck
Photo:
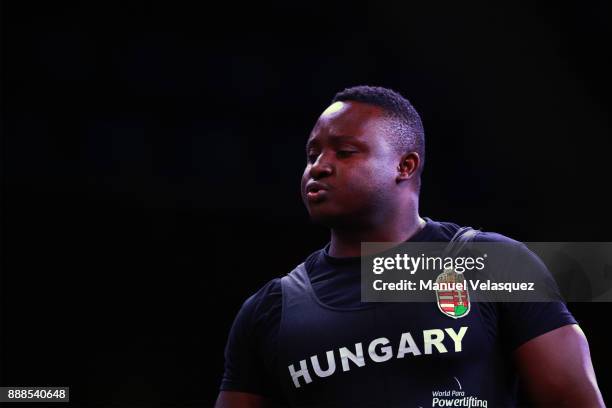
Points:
(347, 243)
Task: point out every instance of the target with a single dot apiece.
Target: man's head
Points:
(364, 158)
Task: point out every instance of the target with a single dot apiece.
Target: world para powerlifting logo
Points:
(456, 398)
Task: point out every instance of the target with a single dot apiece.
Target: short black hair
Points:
(408, 128)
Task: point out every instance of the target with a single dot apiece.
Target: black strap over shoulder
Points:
(458, 242)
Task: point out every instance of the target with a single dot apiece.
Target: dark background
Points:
(151, 158)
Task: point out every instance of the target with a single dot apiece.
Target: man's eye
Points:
(312, 157)
(344, 153)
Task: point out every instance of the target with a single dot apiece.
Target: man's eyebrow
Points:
(334, 139)
(342, 138)
(311, 143)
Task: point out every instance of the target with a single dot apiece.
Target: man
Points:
(308, 340)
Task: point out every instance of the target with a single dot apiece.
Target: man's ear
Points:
(408, 166)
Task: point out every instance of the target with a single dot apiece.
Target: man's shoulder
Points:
(490, 236)
(269, 296)
(264, 296)
(448, 230)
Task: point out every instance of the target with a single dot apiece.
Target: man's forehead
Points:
(353, 109)
(334, 108)
(347, 118)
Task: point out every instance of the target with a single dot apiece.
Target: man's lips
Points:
(315, 190)
(314, 186)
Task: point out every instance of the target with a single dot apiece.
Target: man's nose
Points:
(321, 168)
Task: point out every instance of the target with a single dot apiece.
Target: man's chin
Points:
(330, 219)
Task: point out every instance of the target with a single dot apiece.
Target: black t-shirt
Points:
(252, 351)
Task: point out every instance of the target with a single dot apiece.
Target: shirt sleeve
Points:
(523, 321)
(245, 369)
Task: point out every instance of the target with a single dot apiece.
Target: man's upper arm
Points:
(556, 369)
(243, 365)
(235, 399)
(247, 373)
